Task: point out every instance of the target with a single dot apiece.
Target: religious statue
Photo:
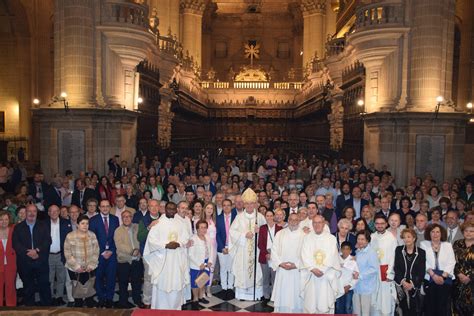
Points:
(154, 21)
(271, 74)
(211, 74)
(231, 74)
(291, 74)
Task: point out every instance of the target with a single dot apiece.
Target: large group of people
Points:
(302, 234)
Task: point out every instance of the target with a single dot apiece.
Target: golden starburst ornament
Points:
(252, 51)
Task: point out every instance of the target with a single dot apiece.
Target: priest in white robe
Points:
(286, 261)
(242, 249)
(384, 244)
(182, 209)
(164, 255)
(321, 270)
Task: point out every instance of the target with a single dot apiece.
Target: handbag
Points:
(85, 290)
(202, 279)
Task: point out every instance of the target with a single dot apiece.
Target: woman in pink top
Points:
(209, 215)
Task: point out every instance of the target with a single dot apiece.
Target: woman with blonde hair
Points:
(209, 214)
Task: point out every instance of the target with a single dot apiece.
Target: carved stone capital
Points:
(309, 7)
(193, 6)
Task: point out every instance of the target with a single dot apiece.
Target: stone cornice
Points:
(309, 7)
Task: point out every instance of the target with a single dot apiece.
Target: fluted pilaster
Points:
(191, 33)
(314, 28)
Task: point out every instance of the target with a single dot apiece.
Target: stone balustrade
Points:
(169, 45)
(379, 15)
(129, 13)
(259, 85)
(335, 46)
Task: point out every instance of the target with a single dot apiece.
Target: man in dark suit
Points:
(293, 201)
(58, 229)
(104, 225)
(356, 201)
(385, 207)
(114, 166)
(81, 195)
(468, 195)
(223, 222)
(342, 199)
(53, 194)
(31, 241)
(208, 185)
(37, 190)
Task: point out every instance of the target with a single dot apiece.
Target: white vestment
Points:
(188, 225)
(242, 251)
(169, 268)
(286, 290)
(384, 298)
(320, 293)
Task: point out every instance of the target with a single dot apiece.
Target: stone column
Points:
(73, 51)
(168, 14)
(465, 10)
(431, 61)
(314, 29)
(191, 32)
(165, 117)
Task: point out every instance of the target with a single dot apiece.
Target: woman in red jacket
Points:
(7, 262)
(266, 236)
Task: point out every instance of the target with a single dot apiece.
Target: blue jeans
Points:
(344, 303)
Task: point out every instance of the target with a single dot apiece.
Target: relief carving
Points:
(336, 123)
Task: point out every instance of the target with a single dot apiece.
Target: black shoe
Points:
(126, 305)
(59, 302)
(108, 304)
(90, 303)
(70, 304)
(229, 295)
(101, 304)
(140, 305)
(195, 306)
(78, 302)
(203, 300)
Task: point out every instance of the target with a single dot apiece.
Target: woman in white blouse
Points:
(440, 262)
(199, 254)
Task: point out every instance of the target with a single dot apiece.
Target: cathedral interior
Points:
(384, 81)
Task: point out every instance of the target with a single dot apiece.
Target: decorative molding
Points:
(309, 7)
(193, 6)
